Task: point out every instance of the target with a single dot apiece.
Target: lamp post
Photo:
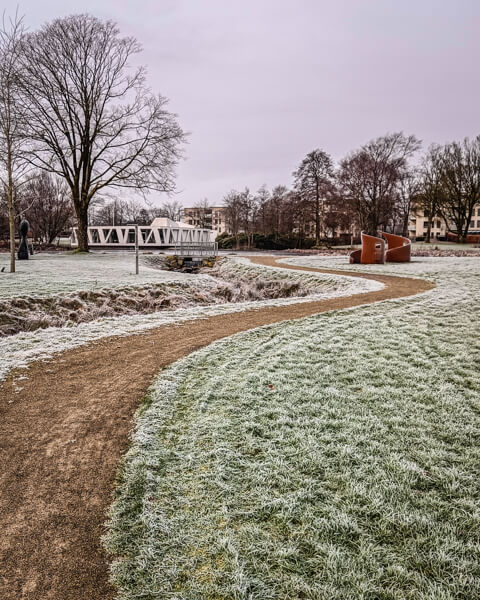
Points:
(136, 248)
(135, 226)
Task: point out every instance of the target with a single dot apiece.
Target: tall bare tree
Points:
(459, 164)
(430, 194)
(369, 178)
(249, 208)
(278, 207)
(92, 119)
(263, 201)
(233, 202)
(408, 189)
(311, 178)
(12, 164)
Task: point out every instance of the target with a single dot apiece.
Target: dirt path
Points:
(62, 437)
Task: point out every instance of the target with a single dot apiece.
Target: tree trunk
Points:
(428, 235)
(462, 236)
(405, 224)
(372, 228)
(317, 217)
(11, 221)
(82, 221)
(11, 212)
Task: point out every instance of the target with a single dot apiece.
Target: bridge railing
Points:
(186, 249)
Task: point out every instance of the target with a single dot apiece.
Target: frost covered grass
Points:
(28, 313)
(88, 315)
(229, 281)
(260, 282)
(49, 274)
(64, 289)
(432, 268)
(331, 457)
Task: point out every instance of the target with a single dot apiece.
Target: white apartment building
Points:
(212, 217)
(418, 224)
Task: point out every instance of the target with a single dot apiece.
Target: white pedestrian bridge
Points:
(161, 233)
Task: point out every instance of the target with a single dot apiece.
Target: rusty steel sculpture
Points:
(374, 249)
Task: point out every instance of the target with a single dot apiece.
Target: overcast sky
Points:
(259, 83)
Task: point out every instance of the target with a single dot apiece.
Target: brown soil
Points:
(64, 432)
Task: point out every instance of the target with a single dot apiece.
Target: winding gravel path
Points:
(64, 432)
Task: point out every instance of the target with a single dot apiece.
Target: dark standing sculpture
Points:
(23, 248)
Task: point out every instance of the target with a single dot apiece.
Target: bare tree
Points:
(12, 164)
(121, 211)
(262, 200)
(134, 210)
(278, 207)
(459, 165)
(248, 217)
(233, 202)
(408, 189)
(312, 175)
(299, 216)
(144, 217)
(369, 178)
(288, 206)
(430, 194)
(172, 210)
(203, 212)
(51, 209)
(92, 120)
(339, 212)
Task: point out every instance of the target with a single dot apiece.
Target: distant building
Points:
(418, 225)
(212, 217)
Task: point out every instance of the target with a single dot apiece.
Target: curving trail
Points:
(63, 435)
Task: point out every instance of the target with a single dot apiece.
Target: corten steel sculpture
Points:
(399, 248)
(372, 251)
(23, 248)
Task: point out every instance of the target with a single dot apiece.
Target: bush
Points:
(264, 242)
(227, 241)
(283, 242)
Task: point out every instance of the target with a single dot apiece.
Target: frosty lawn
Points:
(332, 457)
(48, 274)
(177, 297)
